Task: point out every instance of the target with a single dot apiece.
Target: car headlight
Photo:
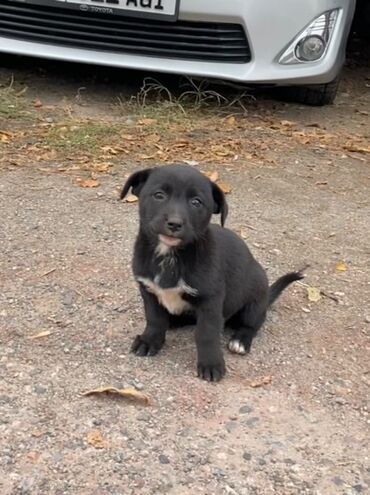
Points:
(312, 43)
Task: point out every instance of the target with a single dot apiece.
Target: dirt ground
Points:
(290, 418)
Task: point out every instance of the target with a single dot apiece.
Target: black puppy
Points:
(189, 269)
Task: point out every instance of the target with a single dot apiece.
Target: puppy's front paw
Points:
(142, 346)
(212, 372)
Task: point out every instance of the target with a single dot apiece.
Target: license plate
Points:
(163, 9)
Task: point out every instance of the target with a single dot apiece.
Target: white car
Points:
(299, 43)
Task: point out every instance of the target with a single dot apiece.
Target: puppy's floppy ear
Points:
(136, 181)
(220, 205)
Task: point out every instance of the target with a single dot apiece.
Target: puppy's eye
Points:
(159, 196)
(196, 202)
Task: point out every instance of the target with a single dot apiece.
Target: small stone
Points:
(219, 472)
(120, 309)
(163, 459)
(247, 456)
(340, 401)
(262, 462)
(230, 427)
(367, 319)
(358, 488)
(68, 299)
(139, 386)
(143, 416)
(245, 410)
(26, 485)
(252, 422)
(40, 390)
(337, 481)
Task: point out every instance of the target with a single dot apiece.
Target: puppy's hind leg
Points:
(246, 326)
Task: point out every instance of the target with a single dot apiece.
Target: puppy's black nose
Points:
(174, 224)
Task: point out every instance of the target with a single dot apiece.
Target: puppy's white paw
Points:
(237, 347)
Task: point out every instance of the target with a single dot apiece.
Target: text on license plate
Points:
(159, 7)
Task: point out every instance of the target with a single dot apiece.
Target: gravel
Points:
(66, 269)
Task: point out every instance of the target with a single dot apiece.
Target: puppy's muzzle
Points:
(174, 226)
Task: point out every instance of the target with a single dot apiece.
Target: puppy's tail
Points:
(282, 283)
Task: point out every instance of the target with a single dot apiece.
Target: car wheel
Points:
(316, 95)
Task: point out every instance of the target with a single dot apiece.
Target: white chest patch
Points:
(162, 249)
(170, 298)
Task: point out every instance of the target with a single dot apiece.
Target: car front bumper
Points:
(270, 28)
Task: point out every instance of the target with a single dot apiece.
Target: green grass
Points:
(13, 105)
(81, 137)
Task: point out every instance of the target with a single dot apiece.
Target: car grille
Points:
(206, 41)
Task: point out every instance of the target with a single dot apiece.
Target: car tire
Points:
(315, 95)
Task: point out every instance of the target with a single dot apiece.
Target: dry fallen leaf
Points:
(147, 121)
(128, 393)
(153, 138)
(88, 183)
(39, 335)
(354, 148)
(101, 167)
(266, 380)
(147, 157)
(341, 266)
(182, 143)
(223, 153)
(110, 149)
(287, 123)
(95, 438)
(5, 137)
(314, 294)
(230, 121)
(225, 188)
(131, 198)
(129, 137)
